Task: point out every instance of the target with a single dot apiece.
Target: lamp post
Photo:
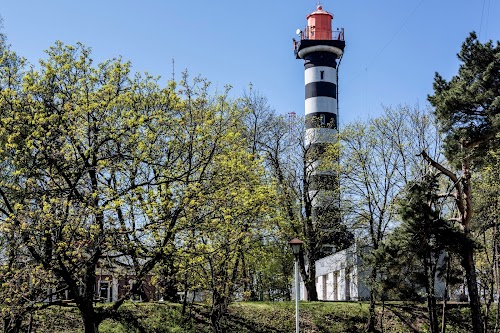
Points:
(296, 244)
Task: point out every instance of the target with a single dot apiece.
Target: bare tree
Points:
(378, 158)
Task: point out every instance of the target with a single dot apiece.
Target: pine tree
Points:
(413, 256)
(467, 109)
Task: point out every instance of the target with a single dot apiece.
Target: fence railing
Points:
(322, 34)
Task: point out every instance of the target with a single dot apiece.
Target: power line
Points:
(405, 21)
(173, 70)
(487, 19)
(397, 32)
(482, 16)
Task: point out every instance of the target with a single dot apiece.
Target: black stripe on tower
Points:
(327, 216)
(320, 181)
(321, 89)
(314, 59)
(319, 148)
(321, 120)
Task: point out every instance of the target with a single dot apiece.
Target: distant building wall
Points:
(339, 277)
(342, 276)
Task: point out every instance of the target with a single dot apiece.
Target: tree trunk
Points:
(475, 302)
(496, 276)
(372, 316)
(431, 308)
(312, 293)
(431, 297)
(382, 317)
(216, 315)
(12, 325)
(90, 324)
(309, 275)
(465, 210)
(89, 316)
(497, 286)
(30, 323)
(445, 296)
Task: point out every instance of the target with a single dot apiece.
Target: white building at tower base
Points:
(339, 277)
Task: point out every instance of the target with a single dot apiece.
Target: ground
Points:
(258, 317)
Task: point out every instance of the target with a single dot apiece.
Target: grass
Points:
(314, 316)
(255, 317)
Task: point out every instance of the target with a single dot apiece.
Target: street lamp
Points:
(296, 244)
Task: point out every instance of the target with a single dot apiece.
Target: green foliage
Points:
(468, 106)
(106, 171)
(143, 317)
(423, 227)
(413, 256)
(378, 158)
(467, 109)
(485, 225)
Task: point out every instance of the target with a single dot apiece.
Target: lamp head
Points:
(296, 244)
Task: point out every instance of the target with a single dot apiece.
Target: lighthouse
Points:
(321, 49)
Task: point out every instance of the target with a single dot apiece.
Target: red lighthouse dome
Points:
(319, 25)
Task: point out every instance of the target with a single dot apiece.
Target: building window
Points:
(322, 75)
(135, 296)
(322, 120)
(104, 291)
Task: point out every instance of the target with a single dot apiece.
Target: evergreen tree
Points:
(414, 255)
(468, 106)
(467, 109)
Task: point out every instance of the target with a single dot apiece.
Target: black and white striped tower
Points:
(321, 48)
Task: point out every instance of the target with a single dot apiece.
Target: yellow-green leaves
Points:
(103, 169)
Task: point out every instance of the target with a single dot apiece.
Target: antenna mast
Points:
(173, 69)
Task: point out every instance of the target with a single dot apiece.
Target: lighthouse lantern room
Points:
(319, 25)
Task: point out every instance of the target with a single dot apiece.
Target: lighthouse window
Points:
(322, 75)
(322, 119)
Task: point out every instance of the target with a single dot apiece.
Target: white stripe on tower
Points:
(320, 103)
(320, 73)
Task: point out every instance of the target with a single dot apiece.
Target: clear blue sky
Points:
(393, 46)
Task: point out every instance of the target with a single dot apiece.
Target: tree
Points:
(416, 253)
(467, 106)
(264, 278)
(467, 109)
(102, 170)
(22, 280)
(233, 223)
(377, 159)
(72, 138)
(485, 226)
(292, 165)
(225, 213)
